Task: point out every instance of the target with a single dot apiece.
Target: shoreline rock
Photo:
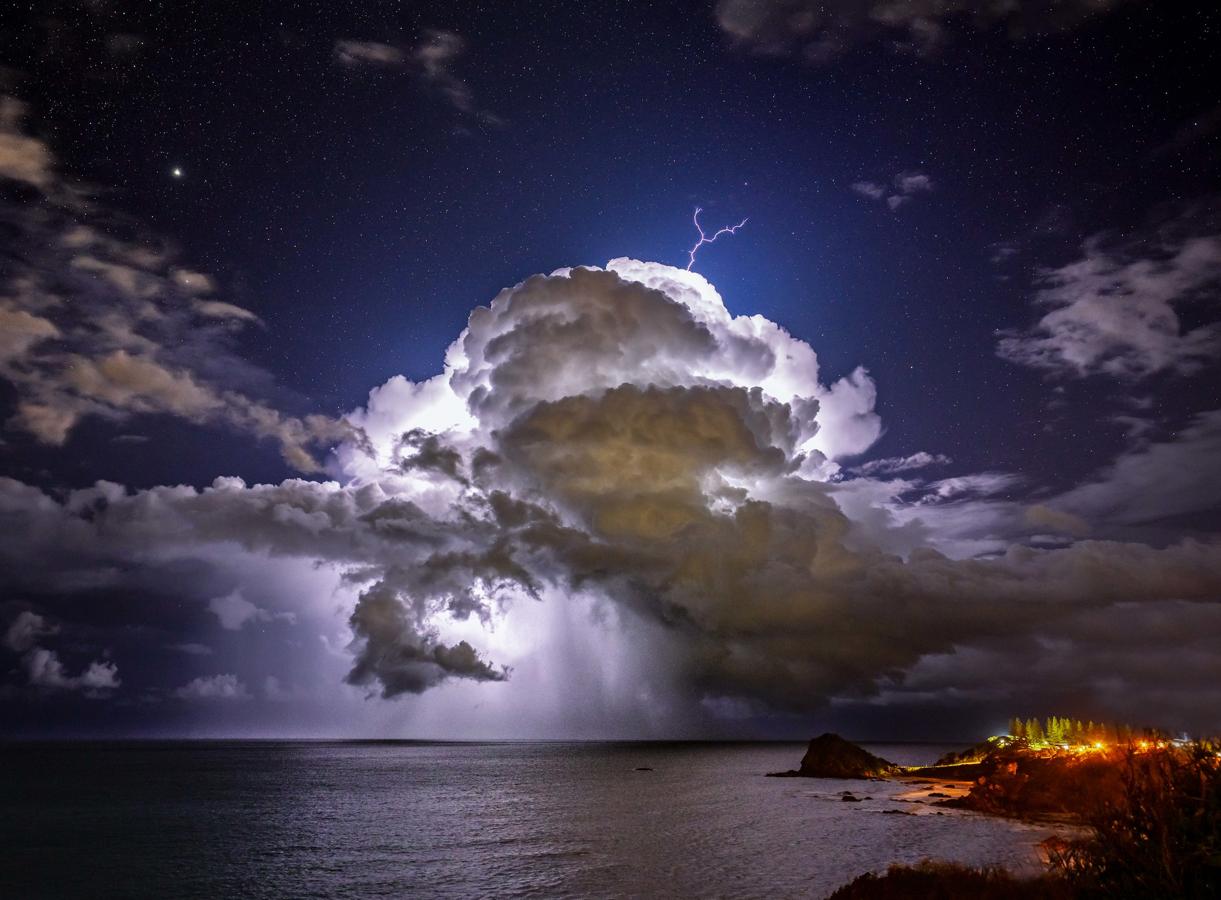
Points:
(830, 756)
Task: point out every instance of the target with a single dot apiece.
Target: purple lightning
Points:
(704, 239)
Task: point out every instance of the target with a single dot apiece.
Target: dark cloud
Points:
(46, 672)
(820, 31)
(431, 563)
(1156, 481)
(1149, 665)
(25, 630)
(1200, 127)
(1057, 520)
(42, 667)
(401, 654)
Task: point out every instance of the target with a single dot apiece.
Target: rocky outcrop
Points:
(830, 756)
(1047, 785)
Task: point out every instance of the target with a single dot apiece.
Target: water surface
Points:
(337, 820)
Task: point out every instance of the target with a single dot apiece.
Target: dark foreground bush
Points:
(948, 881)
(1160, 837)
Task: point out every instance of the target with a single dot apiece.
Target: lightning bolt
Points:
(704, 239)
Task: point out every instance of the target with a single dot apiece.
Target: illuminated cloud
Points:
(22, 158)
(614, 440)
(213, 687)
(1122, 308)
(233, 611)
(368, 53)
(98, 326)
(903, 188)
(895, 464)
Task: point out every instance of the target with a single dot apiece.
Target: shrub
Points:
(1159, 836)
(949, 881)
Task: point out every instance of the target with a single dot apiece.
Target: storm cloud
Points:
(616, 437)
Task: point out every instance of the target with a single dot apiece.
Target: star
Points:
(176, 172)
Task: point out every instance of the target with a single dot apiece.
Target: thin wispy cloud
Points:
(368, 53)
(433, 62)
(894, 465)
(901, 189)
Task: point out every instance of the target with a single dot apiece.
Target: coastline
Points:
(1143, 816)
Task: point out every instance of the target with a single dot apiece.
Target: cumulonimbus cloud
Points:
(616, 433)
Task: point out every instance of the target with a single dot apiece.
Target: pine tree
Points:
(1034, 731)
(1053, 730)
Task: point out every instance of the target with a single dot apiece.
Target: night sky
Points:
(963, 464)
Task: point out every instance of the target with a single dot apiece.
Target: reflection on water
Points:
(302, 819)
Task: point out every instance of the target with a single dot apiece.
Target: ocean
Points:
(404, 819)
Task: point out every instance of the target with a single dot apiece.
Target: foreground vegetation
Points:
(949, 881)
(1159, 836)
(1152, 810)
